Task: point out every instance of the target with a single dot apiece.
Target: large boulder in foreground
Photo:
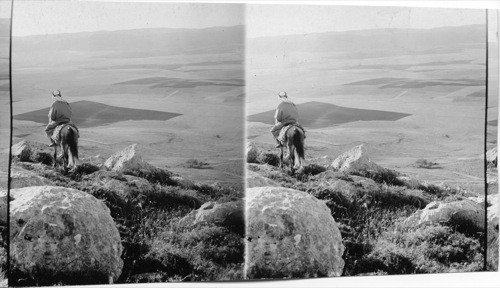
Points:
(290, 234)
(355, 160)
(128, 159)
(254, 179)
(63, 233)
(466, 214)
(492, 213)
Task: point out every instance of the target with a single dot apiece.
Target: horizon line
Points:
(244, 25)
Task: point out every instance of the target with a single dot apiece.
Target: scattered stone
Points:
(266, 157)
(252, 153)
(63, 231)
(30, 151)
(492, 156)
(22, 150)
(290, 234)
(254, 179)
(492, 180)
(355, 160)
(229, 214)
(466, 213)
(127, 159)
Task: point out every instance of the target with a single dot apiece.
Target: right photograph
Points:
(371, 137)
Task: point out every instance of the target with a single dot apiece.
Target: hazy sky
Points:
(272, 20)
(51, 17)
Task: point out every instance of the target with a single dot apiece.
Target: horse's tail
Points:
(298, 142)
(73, 147)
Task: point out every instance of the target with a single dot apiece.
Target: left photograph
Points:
(4, 134)
(127, 143)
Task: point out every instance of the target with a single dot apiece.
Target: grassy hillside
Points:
(157, 246)
(370, 208)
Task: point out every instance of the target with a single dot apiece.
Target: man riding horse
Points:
(61, 131)
(59, 113)
(285, 114)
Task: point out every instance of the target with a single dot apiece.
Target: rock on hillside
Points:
(3, 207)
(354, 160)
(229, 214)
(63, 231)
(290, 234)
(252, 153)
(467, 213)
(23, 149)
(127, 159)
(30, 151)
(491, 156)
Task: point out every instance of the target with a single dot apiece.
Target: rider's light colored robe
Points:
(60, 112)
(285, 114)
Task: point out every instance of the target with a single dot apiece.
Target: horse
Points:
(294, 140)
(68, 142)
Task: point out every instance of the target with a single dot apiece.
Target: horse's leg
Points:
(291, 158)
(65, 156)
(55, 156)
(298, 156)
(281, 157)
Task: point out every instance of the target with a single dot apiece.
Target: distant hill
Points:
(138, 42)
(91, 114)
(375, 42)
(321, 115)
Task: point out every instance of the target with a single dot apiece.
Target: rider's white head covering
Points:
(56, 96)
(284, 97)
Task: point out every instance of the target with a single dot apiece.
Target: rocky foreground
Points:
(120, 220)
(388, 222)
(123, 220)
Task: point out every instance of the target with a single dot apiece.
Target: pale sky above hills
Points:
(274, 20)
(53, 17)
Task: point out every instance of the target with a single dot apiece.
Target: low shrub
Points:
(268, 158)
(423, 163)
(430, 249)
(193, 163)
(382, 176)
(42, 157)
(154, 176)
(83, 169)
